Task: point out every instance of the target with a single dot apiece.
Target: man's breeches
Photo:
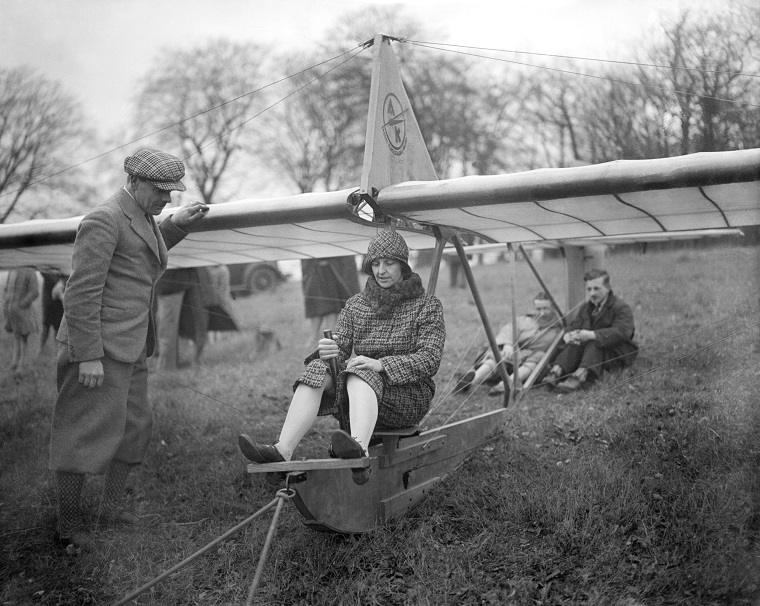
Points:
(92, 426)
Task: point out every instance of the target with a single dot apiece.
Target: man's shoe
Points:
(551, 380)
(258, 452)
(76, 540)
(465, 382)
(572, 383)
(345, 447)
(125, 517)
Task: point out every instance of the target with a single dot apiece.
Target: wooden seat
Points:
(389, 436)
(397, 431)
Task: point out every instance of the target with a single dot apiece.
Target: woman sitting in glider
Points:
(397, 333)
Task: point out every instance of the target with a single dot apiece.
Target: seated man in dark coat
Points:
(599, 338)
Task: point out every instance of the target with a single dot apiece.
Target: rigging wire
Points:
(423, 44)
(449, 394)
(298, 90)
(200, 113)
(503, 432)
(585, 75)
(731, 317)
(230, 406)
(612, 61)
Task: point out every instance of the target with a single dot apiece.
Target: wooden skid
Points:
(403, 471)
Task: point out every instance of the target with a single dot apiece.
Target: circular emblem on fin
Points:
(394, 124)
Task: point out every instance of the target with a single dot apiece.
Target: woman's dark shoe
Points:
(345, 447)
(465, 382)
(258, 452)
(360, 475)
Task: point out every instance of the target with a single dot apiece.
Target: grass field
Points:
(644, 490)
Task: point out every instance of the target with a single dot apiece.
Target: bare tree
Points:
(201, 100)
(467, 117)
(315, 136)
(704, 87)
(554, 110)
(38, 125)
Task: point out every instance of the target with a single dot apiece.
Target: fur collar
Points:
(383, 300)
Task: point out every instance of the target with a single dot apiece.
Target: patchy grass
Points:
(643, 490)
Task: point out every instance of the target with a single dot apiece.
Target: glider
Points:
(399, 189)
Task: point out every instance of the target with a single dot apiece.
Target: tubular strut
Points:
(501, 368)
(282, 495)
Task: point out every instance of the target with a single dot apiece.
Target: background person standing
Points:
(21, 290)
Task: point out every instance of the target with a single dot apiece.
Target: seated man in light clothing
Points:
(535, 333)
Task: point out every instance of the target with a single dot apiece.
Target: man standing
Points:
(599, 338)
(102, 419)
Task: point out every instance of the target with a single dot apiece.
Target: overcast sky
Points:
(99, 48)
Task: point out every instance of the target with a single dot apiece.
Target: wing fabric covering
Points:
(714, 190)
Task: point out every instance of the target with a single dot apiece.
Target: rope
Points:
(281, 496)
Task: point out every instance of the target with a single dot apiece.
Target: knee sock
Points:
(301, 416)
(113, 487)
(362, 411)
(363, 420)
(69, 493)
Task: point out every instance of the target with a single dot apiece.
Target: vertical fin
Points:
(394, 149)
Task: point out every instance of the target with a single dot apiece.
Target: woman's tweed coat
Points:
(409, 343)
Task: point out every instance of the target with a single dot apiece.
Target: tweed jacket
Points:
(613, 326)
(409, 343)
(119, 255)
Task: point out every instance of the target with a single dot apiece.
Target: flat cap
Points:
(160, 168)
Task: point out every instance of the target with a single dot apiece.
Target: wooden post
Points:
(579, 260)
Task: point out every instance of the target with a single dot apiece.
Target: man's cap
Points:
(161, 169)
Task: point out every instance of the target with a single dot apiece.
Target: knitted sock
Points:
(69, 493)
(113, 488)
(301, 415)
